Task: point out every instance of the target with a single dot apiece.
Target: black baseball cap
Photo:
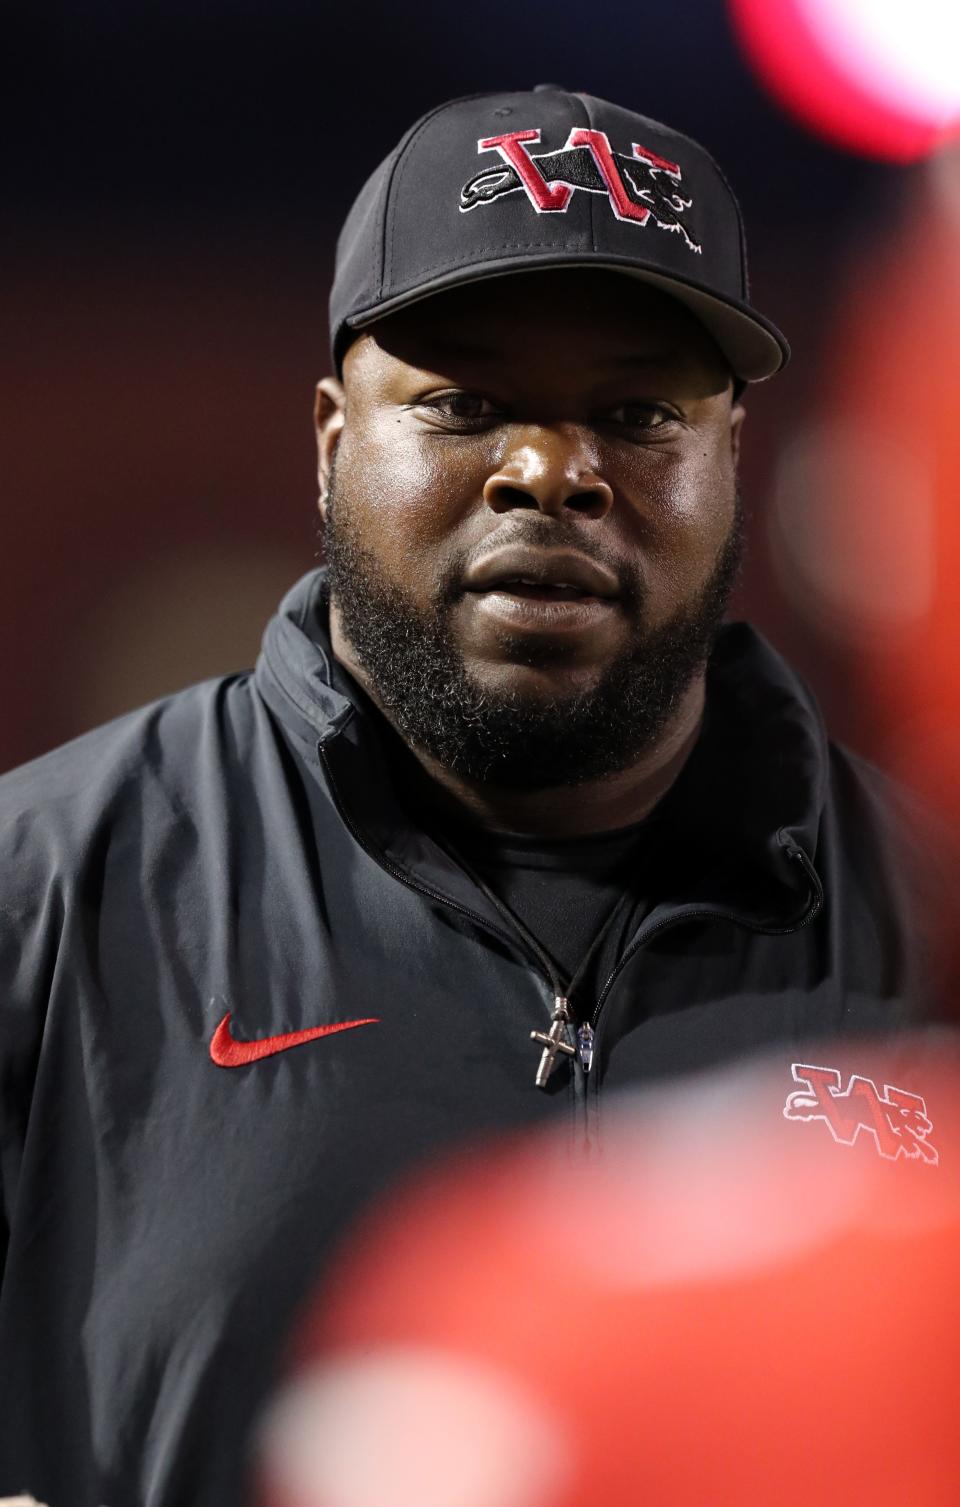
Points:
(498, 184)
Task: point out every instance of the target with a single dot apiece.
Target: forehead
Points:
(596, 318)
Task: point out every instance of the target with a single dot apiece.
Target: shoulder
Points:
(895, 862)
(887, 862)
(869, 804)
(765, 697)
(148, 765)
(881, 821)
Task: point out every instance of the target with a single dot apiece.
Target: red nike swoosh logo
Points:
(226, 1051)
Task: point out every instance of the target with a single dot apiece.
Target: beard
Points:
(503, 737)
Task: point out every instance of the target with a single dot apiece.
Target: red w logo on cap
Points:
(634, 185)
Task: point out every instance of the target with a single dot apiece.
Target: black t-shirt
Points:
(564, 889)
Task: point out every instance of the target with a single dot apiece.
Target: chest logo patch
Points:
(226, 1051)
(897, 1120)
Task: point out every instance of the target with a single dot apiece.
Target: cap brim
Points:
(752, 345)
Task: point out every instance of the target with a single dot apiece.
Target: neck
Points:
(600, 805)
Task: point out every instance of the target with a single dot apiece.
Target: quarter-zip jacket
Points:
(238, 849)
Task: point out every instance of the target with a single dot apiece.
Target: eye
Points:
(640, 417)
(461, 409)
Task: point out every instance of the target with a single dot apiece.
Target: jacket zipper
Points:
(586, 1031)
(589, 1104)
(516, 940)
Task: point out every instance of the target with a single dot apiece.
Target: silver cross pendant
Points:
(553, 1041)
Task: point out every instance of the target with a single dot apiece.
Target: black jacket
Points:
(238, 848)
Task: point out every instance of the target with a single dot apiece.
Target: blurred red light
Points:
(836, 93)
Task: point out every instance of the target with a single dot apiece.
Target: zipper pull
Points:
(585, 1045)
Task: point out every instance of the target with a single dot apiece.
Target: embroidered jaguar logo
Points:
(897, 1120)
(640, 187)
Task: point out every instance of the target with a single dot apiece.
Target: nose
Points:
(552, 470)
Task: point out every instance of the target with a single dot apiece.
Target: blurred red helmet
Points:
(749, 1298)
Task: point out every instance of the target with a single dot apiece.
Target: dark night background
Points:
(174, 178)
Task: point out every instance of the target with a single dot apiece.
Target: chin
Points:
(535, 683)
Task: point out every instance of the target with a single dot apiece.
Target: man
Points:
(504, 819)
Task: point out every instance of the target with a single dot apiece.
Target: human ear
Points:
(328, 416)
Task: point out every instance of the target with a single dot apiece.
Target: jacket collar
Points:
(743, 816)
